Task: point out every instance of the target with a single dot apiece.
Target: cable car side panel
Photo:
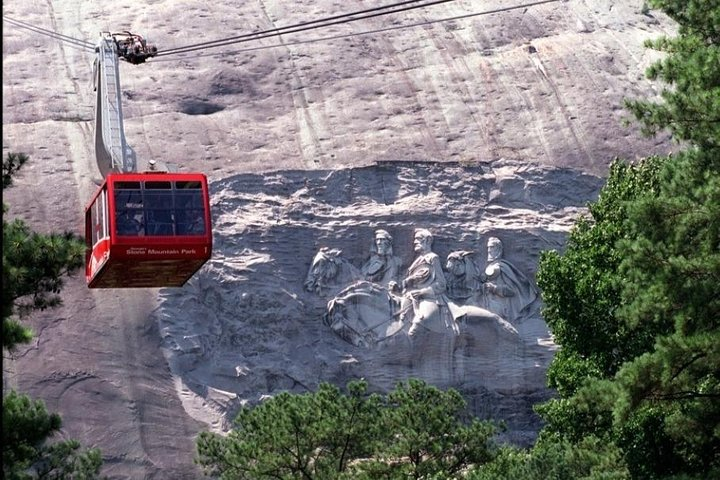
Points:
(97, 233)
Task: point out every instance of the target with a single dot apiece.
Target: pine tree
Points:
(416, 431)
(690, 103)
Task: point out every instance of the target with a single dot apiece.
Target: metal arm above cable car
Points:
(112, 151)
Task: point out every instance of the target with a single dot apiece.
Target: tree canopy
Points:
(416, 431)
(634, 301)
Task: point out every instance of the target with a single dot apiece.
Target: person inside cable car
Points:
(127, 224)
(191, 222)
(160, 222)
(122, 47)
(138, 46)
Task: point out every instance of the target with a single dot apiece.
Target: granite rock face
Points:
(245, 327)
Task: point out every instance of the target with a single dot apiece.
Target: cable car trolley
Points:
(133, 47)
(142, 229)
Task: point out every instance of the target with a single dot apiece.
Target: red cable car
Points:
(147, 230)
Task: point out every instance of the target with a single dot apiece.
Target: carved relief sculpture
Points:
(506, 290)
(464, 279)
(382, 267)
(423, 289)
(367, 306)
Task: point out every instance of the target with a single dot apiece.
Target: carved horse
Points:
(464, 279)
(329, 272)
(363, 314)
(502, 288)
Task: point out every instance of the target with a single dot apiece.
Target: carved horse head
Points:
(463, 276)
(328, 270)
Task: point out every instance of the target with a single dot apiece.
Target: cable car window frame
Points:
(165, 208)
(129, 212)
(190, 208)
(159, 208)
(104, 209)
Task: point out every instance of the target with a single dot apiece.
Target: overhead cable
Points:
(295, 28)
(304, 26)
(367, 32)
(49, 33)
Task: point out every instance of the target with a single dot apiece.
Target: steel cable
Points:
(58, 36)
(367, 32)
(304, 26)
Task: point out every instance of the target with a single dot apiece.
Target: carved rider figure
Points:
(382, 267)
(423, 289)
(506, 290)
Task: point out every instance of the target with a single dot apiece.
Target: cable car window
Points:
(189, 199)
(188, 184)
(128, 199)
(127, 185)
(191, 222)
(129, 218)
(158, 185)
(102, 227)
(96, 220)
(159, 207)
(190, 209)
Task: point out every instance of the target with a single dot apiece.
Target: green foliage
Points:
(671, 258)
(33, 266)
(672, 262)
(656, 357)
(312, 435)
(666, 401)
(26, 426)
(558, 459)
(427, 435)
(11, 164)
(587, 412)
(33, 269)
(634, 303)
(648, 450)
(581, 288)
(417, 431)
(690, 106)
(635, 300)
